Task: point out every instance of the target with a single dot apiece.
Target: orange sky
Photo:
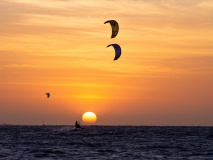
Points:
(163, 77)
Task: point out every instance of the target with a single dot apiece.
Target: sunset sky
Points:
(163, 77)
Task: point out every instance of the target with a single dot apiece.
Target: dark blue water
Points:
(106, 142)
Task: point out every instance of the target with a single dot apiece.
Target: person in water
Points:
(77, 125)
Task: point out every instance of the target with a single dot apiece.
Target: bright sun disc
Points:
(89, 117)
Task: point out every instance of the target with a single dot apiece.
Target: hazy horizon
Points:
(163, 77)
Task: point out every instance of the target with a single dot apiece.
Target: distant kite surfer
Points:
(77, 125)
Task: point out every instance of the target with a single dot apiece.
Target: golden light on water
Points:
(89, 118)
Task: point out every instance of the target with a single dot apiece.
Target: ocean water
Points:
(106, 142)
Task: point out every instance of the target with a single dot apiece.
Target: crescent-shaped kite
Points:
(117, 50)
(115, 27)
(48, 95)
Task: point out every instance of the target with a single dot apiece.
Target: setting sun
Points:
(89, 117)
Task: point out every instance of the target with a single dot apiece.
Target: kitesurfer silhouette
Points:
(77, 125)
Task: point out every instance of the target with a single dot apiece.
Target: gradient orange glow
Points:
(89, 118)
(163, 77)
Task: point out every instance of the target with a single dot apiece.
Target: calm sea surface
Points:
(105, 142)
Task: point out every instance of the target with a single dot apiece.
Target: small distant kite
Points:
(48, 95)
(115, 27)
(117, 50)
